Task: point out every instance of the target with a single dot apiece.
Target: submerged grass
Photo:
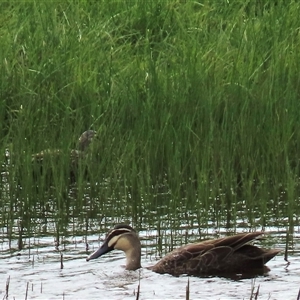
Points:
(197, 101)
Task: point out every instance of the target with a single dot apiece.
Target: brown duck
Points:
(39, 159)
(226, 256)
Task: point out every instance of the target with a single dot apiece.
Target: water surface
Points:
(38, 267)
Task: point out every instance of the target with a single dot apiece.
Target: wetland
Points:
(197, 114)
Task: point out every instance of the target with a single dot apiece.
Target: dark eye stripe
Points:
(123, 226)
(117, 232)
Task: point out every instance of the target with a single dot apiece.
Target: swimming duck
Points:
(219, 257)
(84, 141)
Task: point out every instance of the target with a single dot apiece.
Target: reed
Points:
(200, 99)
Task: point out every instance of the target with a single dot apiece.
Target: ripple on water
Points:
(106, 278)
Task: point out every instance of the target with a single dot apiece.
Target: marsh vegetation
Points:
(195, 104)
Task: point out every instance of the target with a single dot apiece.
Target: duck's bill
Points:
(102, 250)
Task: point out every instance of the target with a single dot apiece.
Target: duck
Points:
(228, 256)
(39, 159)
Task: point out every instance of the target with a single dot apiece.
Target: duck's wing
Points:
(235, 241)
(186, 259)
(215, 256)
(45, 154)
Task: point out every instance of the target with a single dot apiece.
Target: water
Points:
(52, 229)
(37, 269)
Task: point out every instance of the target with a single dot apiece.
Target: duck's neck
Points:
(133, 259)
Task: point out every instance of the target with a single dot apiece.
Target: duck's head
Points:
(85, 139)
(122, 237)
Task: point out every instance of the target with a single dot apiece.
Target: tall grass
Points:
(201, 98)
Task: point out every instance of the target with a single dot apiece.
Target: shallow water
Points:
(39, 270)
(36, 270)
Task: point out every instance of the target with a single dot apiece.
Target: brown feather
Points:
(43, 161)
(226, 256)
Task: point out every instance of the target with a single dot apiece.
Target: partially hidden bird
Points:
(42, 161)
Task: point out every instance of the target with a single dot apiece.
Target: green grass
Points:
(200, 97)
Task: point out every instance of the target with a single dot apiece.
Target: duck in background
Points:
(39, 160)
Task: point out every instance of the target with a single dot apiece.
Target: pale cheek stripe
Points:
(112, 241)
(114, 236)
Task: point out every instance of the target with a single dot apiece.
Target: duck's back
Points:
(217, 257)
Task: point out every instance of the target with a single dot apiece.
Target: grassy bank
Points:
(200, 97)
